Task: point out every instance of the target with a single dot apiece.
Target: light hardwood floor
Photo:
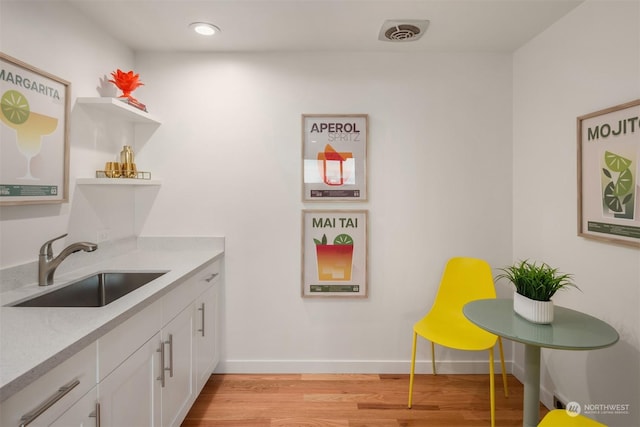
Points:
(315, 400)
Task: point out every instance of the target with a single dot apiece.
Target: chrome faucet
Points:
(47, 264)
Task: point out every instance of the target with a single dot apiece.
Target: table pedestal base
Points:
(531, 405)
(567, 332)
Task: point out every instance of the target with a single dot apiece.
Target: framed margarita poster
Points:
(334, 151)
(334, 253)
(34, 148)
(608, 171)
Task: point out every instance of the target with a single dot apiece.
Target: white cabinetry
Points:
(83, 413)
(45, 400)
(128, 371)
(130, 395)
(147, 372)
(156, 385)
(207, 320)
(177, 392)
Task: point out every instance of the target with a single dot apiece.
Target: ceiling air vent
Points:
(402, 30)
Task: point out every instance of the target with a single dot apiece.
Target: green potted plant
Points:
(535, 285)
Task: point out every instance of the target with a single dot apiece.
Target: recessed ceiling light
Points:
(204, 28)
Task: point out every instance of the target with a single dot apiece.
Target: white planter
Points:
(532, 310)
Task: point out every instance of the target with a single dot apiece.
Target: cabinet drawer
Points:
(83, 413)
(182, 296)
(209, 275)
(118, 344)
(177, 300)
(54, 392)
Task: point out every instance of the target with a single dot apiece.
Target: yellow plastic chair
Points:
(561, 418)
(463, 280)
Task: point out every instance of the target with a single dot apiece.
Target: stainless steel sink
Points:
(94, 291)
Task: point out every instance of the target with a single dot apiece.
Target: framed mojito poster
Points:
(334, 157)
(34, 154)
(334, 253)
(608, 170)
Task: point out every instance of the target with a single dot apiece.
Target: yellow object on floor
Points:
(561, 418)
(463, 280)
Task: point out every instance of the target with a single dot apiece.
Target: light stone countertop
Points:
(33, 340)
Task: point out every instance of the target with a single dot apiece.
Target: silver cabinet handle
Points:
(170, 342)
(210, 278)
(161, 378)
(29, 417)
(96, 414)
(202, 310)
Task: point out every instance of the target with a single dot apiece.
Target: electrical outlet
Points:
(558, 403)
(103, 235)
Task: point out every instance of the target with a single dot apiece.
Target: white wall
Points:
(229, 152)
(60, 41)
(229, 155)
(587, 61)
(440, 163)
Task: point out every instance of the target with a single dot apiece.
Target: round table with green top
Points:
(570, 330)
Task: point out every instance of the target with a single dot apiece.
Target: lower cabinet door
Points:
(178, 390)
(206, 335)
(84, 413)
(130, 395)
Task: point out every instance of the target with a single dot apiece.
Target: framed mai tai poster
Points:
(334, 151)
(334, 253)
(34, 135)
(608, 171)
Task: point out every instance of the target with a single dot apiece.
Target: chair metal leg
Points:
(492, 388)
(433, 358)
(504, 373)
(413, 368)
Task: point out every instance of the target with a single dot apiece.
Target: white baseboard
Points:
(354, 367)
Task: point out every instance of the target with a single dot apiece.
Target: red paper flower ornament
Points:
(126, 82)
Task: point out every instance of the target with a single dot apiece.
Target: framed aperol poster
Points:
(34, 134)
(334, 151)
(608, 171)
(334, 253)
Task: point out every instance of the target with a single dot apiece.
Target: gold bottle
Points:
(126, 155)
(127, 162)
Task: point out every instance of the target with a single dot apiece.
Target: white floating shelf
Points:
(118, 181)
(120, 109)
